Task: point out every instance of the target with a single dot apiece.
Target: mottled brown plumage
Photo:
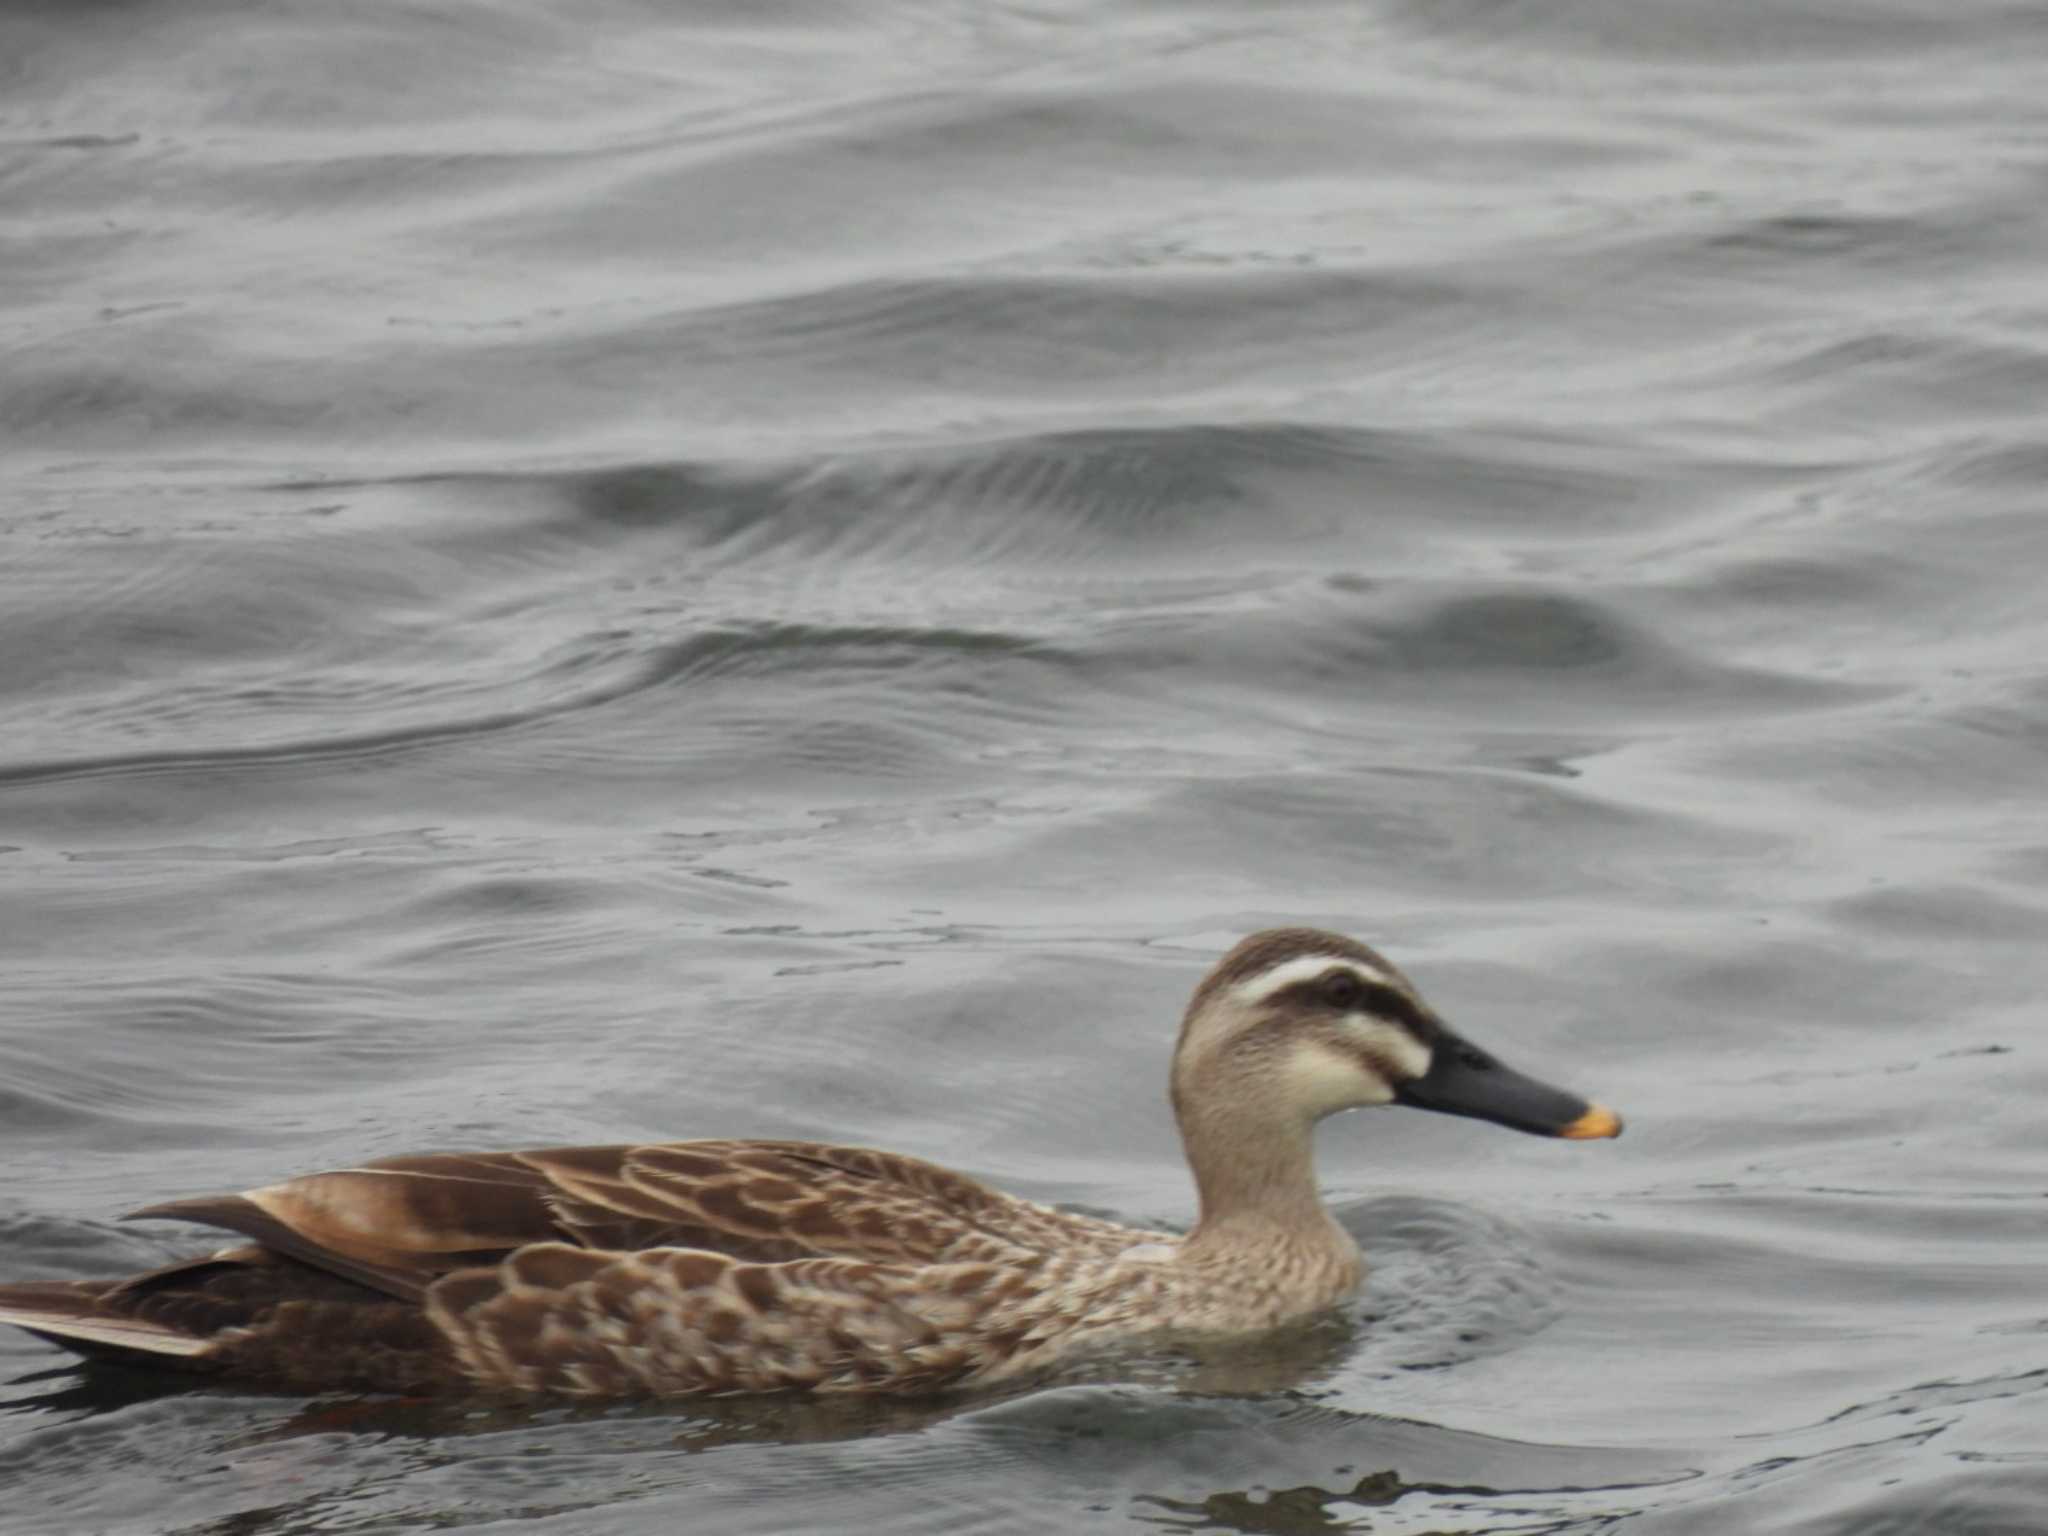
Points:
(758, 1266)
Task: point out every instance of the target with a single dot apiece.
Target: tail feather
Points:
(75, 1314)
(242, 1312)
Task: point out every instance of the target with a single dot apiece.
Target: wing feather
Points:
(398, 1225)
(552, 1318)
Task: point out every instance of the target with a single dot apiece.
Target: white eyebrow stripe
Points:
(1288, 973)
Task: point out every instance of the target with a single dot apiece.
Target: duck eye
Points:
(1343, 990)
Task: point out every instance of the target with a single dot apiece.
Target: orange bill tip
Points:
(1595, 1122)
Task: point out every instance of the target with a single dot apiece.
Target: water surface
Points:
(572, 573)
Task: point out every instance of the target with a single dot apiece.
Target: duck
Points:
(700, 1268)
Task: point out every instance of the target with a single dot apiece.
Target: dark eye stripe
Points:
(1373, 997)
(1390, 1003)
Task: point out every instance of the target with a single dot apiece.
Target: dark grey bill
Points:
(1465, 1081)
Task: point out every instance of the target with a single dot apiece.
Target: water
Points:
(624, 570)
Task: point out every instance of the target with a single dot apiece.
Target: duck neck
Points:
(1256, 1179)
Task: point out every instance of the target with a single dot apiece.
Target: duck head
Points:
(1314, 1023)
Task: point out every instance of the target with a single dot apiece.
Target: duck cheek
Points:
(1322, 1079)
(1393, 1055)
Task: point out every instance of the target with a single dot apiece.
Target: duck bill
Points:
(1462, 1082)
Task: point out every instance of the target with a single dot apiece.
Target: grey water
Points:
(623, 570)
